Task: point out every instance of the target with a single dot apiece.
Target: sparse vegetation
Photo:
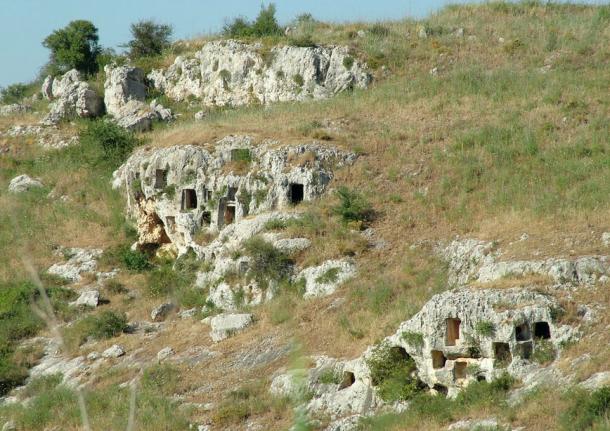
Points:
(113, 142)
(352, 207)
(330, 276)
(104, 325)
(392, 371)
(414, 339)
(265, 24)
(485, 328)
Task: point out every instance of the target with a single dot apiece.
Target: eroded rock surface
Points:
(73, 97)
(226, 325)
(233, 73)
(23, 183)
(80, 260)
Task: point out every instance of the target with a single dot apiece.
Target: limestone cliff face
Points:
(189, 188)
(233, 73)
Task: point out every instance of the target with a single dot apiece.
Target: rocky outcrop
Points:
(324, 279)
(79, 260)
(73, 97)
(125, 94)
(233, 73)
(175, 192)
(23, 183)
(472, 260)
(48, 137)
(88, 298)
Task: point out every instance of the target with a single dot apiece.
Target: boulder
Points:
(225, 325)
(324, 279)
(161, 312)
(115, 351)
(125, 94)
(88, 298)
(606, 239)
(9, 426)
(23, 183)
(73, 97)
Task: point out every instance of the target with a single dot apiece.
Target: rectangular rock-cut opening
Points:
(542, 330)
(206, 218)
(189, 199)
(459, 370)
(296, 193)
(502, 354)
(441, 389)
(348, 379)
(522, 332)
(208, 195)
(231, 193)
(453, 331)
(229, 215)
(438, 359)
(160, 178)
(170, 223)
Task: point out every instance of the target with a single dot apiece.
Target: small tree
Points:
(14, 93)
(74, 47)
(149, 38)
(265, 24)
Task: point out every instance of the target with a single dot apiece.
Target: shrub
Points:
(74, 47)
(352, 207)
(123, 255)
(113, 142)
(106, 324)
(276, 224)
(14, 93)
(379, 30)
(240, 154)
(329, 376)
(348, 62)
(586, 409)
(392, 371)
(298, 80)
(265, 24)
(485, 328)
(267, 262)
(148, 38)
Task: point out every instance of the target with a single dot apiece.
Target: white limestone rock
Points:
(217, 194)
(114, 351)
(47, 87)
(596, 381)
(80, 260)
(324, 279)
(229, 72)
(23, 183)
(606, 239)
(225, 325)
(88, 298)
(125, 94)
(73, 97)
(160, 313)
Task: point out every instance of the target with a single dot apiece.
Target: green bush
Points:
(74, 47)
(329, 377)
(124, 256)
(14, 93)
(266, 261)
(113, 142)
(485, 328)
(544, 352)
(587, 410)
(104, 325)
(175, 280)
(392, 372)
(148, 38)
(265, 24)
(353, 207)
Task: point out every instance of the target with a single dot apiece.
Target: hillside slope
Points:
(487, 123)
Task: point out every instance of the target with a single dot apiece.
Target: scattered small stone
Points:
(434, 71)
(188, 314)
(422, 33)
(9, 426)
(114, 351)
(459, 32)
(93, 356)
(161, 312)
(165, 353)
(606, 239)
(501, 40)
(200, 115)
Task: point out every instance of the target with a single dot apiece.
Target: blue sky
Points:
(25, 23)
